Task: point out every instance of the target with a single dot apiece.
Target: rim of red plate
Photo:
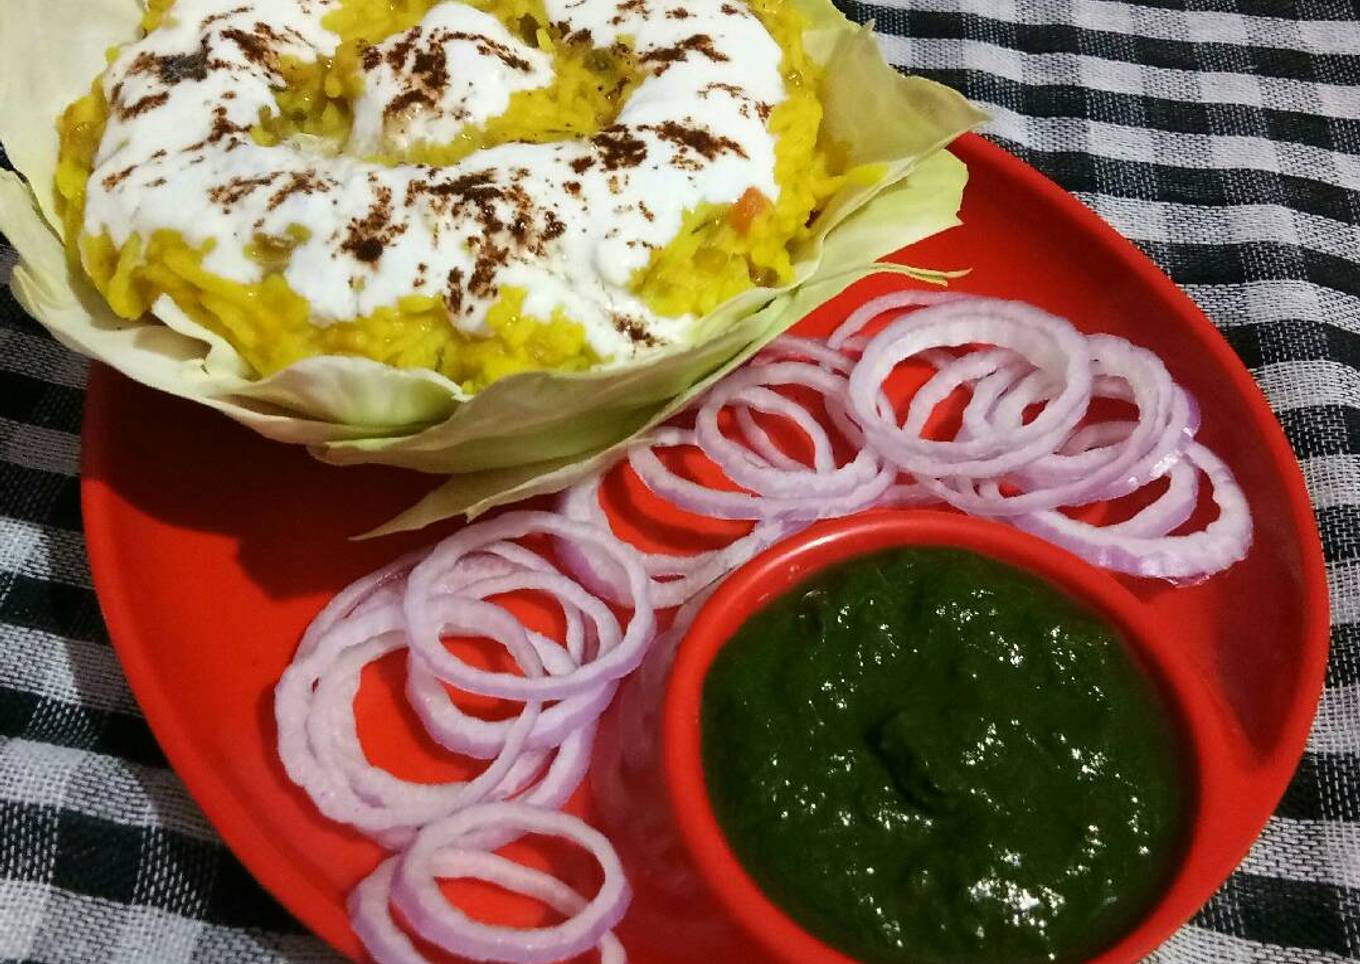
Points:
(301, 893)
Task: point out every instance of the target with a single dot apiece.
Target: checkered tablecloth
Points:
(1223, 137)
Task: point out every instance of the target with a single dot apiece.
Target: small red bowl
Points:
(1206, 760)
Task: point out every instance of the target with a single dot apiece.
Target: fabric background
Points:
(1222, 137)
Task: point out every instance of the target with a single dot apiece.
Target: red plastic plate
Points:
(211, 548)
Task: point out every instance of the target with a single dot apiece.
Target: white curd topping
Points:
(569, 221)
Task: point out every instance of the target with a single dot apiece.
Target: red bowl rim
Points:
(1208, 742)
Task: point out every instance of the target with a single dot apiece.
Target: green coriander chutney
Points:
(925, 755)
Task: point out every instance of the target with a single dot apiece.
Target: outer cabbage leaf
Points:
(524, 431)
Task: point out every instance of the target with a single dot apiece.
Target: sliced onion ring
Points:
(1049, 343)
(426, 628)
(416, 893)
(348, 600)
(687, 574)
(371, 915)
(722, 504)
(464, 733)
(786, 489)
(786, 347)
(319, 744)
(1154, 441)
(1175, 557)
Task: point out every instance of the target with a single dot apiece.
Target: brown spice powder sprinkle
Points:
(213, 18)
(396, 54)
(238, 188)
(487, 47)
(617, 148)
(111, 181)
(299, 182)
(490, 257)
(566, 35)
(138, 107)
(256, 44)
(408, 98)
(699, 43)
(453, 294)
(476, 189)
(696, 139)
(367, 250)
(553, 226)
(627, 7)
(732, 89)
(522, 226)
(431, 67)
(678, 13)
(366, 237)
(572, 187)
(172, 68)
(635, 330)
(582, 164)
(221, 130)
(176, 67)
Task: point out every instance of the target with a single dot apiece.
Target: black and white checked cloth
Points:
(1223, 137)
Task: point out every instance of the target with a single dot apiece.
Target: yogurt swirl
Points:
(571, 222)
